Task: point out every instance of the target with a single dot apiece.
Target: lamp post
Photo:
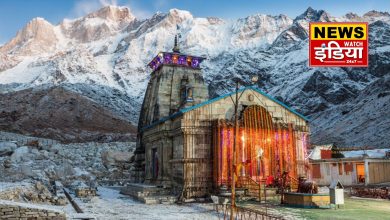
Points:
(233, 172)
(259, 156)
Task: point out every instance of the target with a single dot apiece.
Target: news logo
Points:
(338, 44)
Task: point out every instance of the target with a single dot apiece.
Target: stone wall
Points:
(85, 192)
(20, 212)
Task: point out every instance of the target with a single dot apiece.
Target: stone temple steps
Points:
(149, 194)
(245, 193)
(152, 194)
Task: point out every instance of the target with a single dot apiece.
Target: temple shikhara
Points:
(185, 139)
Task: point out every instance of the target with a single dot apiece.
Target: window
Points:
(348, 168)
(326, 154)
(189, 94)
(155, 165)
(186, 91)
(340, 169)
(316, 171)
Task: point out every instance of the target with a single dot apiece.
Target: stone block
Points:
(42, 213)
(6, 216)
(85, 192)
(52, 214)
(7, 209)
(29, 212)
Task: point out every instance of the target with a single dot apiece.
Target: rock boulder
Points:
(112, 159)
(19, 154)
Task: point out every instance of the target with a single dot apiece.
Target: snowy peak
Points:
(299, 30)
(261, 20)
(373, 16)
(180, 14)
(312, 15)
(98, 25)
(37, 28)
(259, 29)
(36, 37)
(113, 13)
(177, 16)
(374, 13)
(35, 23)
(352, 16)
(370, 17)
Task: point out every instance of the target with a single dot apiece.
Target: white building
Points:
(356, 167)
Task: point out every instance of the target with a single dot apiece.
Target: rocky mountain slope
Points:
(102, 57)
(62, 114)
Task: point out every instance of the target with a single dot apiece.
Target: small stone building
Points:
(185, 139)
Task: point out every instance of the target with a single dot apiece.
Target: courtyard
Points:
(354, 208)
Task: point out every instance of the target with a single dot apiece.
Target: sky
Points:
(14, 14)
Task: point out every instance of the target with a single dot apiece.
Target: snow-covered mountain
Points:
(103, 55)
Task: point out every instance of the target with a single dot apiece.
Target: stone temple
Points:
(185, 139)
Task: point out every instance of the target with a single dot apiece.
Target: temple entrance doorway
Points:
(265, 148)
(155, 163)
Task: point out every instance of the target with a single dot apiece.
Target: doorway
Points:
(360, 173)
(155, 163)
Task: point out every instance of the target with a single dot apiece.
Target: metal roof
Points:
(184, 110)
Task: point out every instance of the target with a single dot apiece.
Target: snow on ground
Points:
(6, 186)
(109, 204)
(65, 209)
(83, 160)
(112, 205)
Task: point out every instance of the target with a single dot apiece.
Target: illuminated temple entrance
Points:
(265, 148)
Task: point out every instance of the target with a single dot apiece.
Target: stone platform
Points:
(149, 194)
(307, 200)
(248, 193)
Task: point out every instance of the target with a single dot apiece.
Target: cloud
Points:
(137, 10)
(140, 13)
(83, 7)
(160, 3)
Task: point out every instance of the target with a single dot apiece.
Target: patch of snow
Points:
(112, 205)
(315, 154)
(22, 73)
(378, 153)
(94, 21)
(5, 186)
